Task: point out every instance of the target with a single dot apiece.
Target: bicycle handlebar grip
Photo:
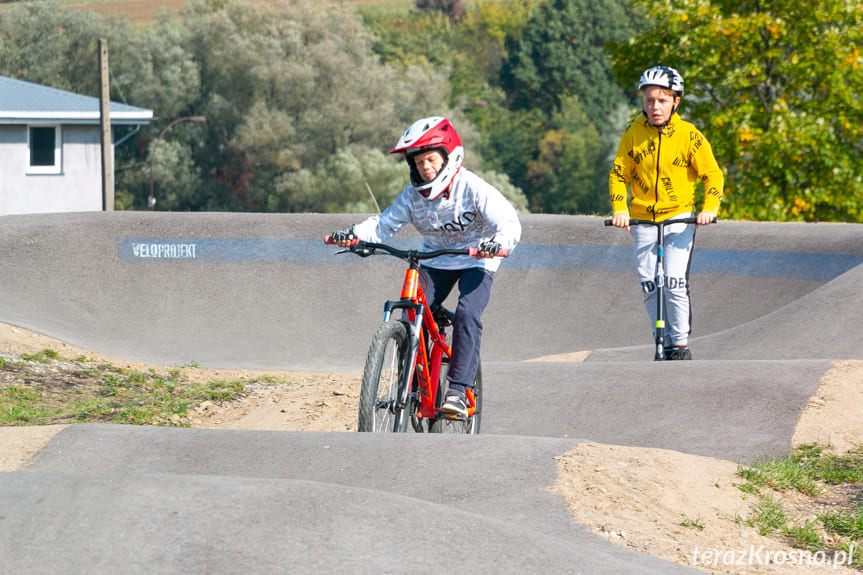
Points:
(328, 239)
(474, 252)
(632, 222)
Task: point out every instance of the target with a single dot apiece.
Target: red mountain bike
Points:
(404, 379)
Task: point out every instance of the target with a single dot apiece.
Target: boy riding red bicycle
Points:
(452, 208)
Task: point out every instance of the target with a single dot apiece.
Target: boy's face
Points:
(659, 103)
(428, 164)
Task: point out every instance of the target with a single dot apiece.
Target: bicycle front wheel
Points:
(385, 363)
(470, 425)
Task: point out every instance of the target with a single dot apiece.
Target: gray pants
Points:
(679, 239)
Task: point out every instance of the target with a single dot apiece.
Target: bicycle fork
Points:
(408, 360)
(415, 364)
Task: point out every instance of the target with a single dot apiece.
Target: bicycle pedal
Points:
(453, 416)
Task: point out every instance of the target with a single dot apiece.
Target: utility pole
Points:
(105, 122)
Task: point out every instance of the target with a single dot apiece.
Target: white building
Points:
(50, 150)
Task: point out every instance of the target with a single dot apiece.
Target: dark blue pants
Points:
(474, 286)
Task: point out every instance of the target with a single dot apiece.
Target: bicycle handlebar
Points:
(688, 220)
(412, 254)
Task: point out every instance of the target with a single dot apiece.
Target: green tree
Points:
(479, 48)
(361, 181)
(355, 180)
(560, 85)
(45, 44)
(154, 68)
(568, 167)
(776, 88)
(293, 93)
(454, 9)
(415, 39)
(501, 19)
(287, 85)
(561, 52)
(469, 54)
(511, 139)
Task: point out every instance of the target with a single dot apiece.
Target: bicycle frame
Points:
(659, 277)
(428, 354)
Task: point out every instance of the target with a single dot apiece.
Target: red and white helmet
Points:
(433, 133)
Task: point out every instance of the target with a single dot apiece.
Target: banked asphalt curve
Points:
(774, 306)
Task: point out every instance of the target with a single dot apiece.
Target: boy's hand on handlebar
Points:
(705, 218)
(620, 221)
(343, 238)
(488, 249)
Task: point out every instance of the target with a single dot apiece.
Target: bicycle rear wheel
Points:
(452, 425)
(386, 361)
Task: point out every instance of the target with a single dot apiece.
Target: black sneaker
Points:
(455, 403)
(678, 353)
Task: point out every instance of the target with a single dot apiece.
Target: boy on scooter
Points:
(660, 160)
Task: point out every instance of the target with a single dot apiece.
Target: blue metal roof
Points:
(26, 103)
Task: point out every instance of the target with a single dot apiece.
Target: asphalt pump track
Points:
(567, 358)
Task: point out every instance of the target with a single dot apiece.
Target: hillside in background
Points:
(145, 11)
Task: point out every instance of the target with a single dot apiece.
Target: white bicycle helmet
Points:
(433, 133)
(663, 76)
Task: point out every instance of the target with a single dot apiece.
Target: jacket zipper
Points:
(656, 182)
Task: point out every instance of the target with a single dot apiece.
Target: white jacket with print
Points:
(472, 212)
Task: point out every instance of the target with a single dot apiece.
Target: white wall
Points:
(77, 188)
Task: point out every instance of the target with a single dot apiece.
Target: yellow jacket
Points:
(661, 169)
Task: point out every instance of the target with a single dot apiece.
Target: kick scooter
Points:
(659, 328)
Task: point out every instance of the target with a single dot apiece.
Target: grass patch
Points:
(768, 516)
(787, 473)
(44, 356)
(691, 523)
(833, 485)
(806, 536)
(55, 391)
(847, 523)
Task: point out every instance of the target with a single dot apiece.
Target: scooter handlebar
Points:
(690, 220)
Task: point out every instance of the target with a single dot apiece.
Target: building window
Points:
(44, 150)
